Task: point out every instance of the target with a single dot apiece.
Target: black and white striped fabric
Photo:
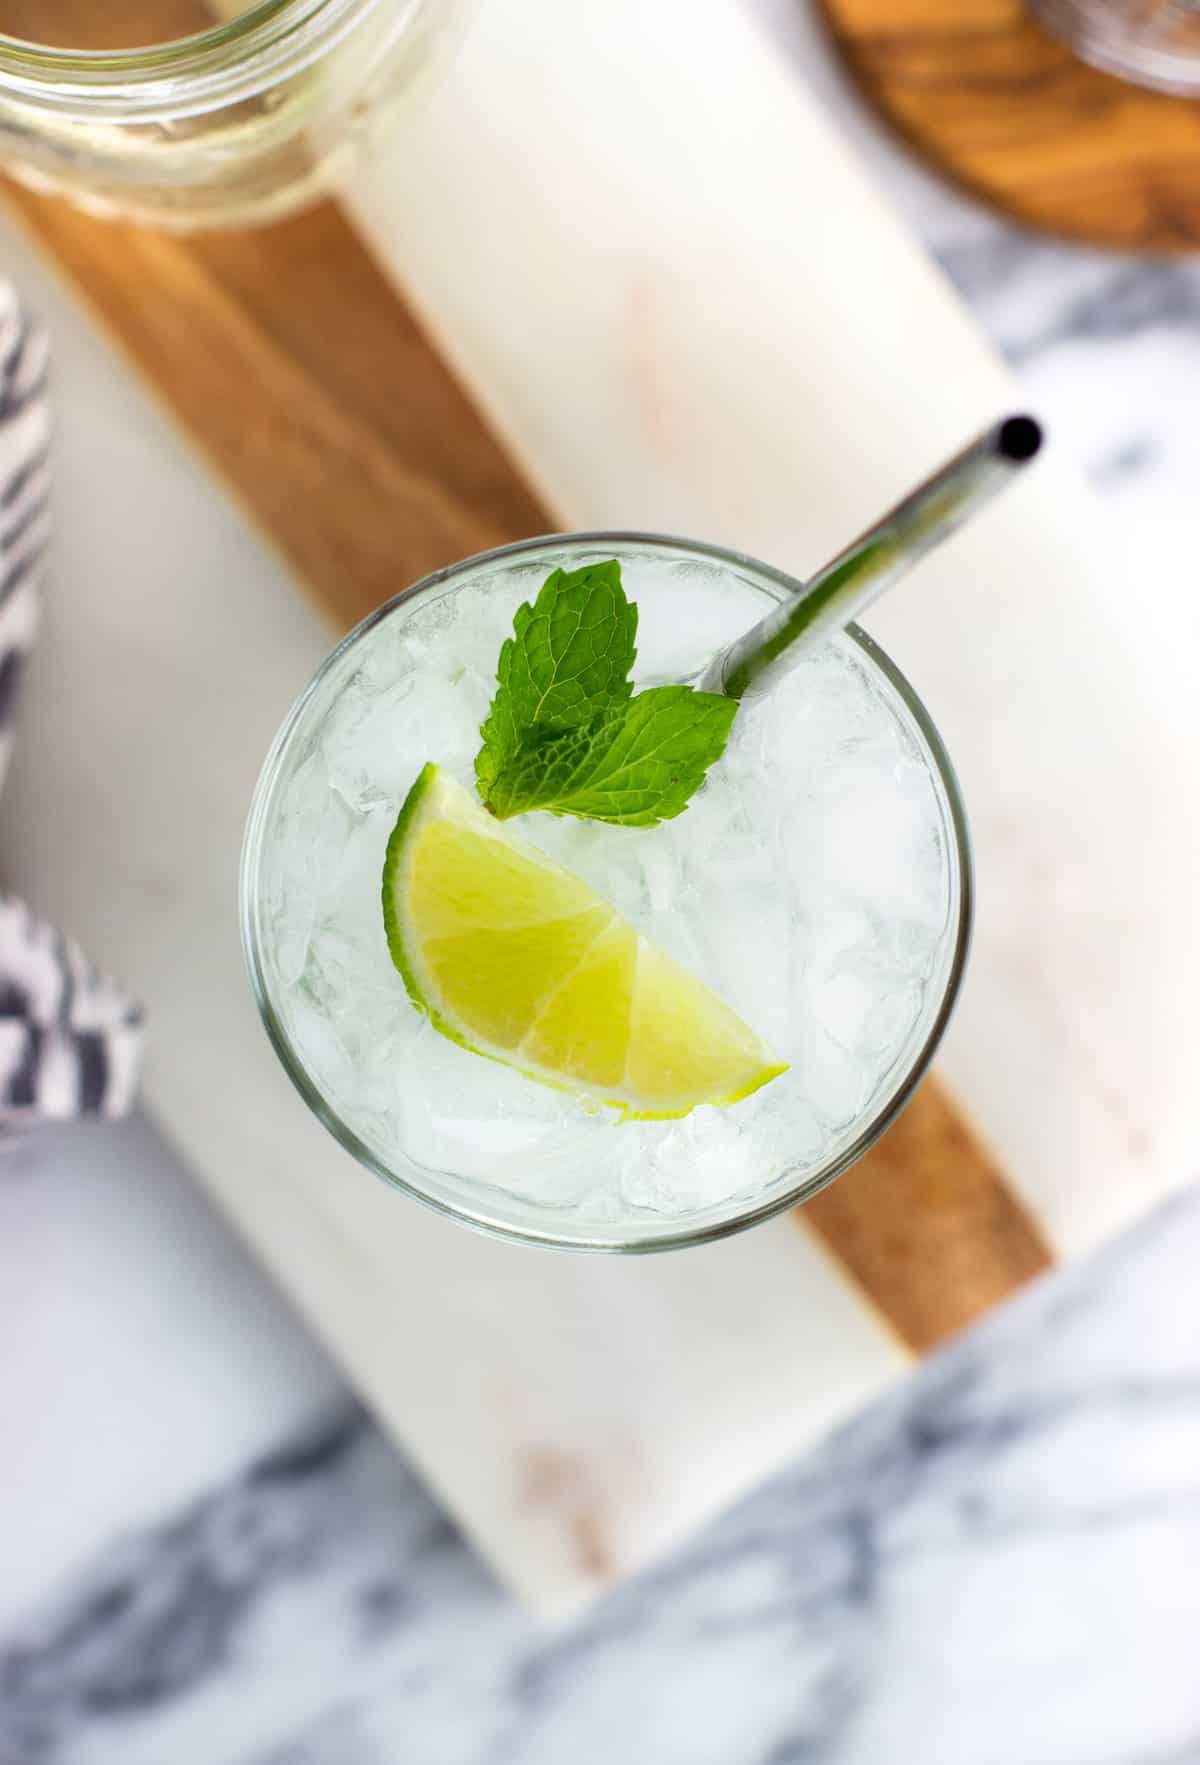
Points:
(70, 1040)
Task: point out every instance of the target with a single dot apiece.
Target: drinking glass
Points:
(820, 882)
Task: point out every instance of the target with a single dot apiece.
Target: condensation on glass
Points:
(187, 113)
(1152, 42)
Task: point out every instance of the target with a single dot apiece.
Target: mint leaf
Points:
(567, 661)
(635, 763)
(563, 733)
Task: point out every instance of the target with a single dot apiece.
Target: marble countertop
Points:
(995, 1564)
(210, 1557)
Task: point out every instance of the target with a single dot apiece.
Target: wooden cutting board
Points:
(312, 392)
(997, 104)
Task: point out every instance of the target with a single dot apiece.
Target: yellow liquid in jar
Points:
(113, 24)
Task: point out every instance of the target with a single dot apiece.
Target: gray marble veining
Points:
(998, 1563)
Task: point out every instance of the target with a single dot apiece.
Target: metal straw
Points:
(878, 558)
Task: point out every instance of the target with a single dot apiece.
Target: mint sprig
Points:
(564, 733)
(567, 661)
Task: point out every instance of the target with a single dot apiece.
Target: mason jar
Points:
(188, 113)
(1152, 42)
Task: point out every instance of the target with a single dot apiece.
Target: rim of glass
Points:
(1121, 51)
(235, 59)
(494, 1224)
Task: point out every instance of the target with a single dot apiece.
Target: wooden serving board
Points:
(1000, 106)
(312, 392)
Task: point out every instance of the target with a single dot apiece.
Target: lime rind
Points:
(434, 796)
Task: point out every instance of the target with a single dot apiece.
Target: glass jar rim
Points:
(494, 1223)
(236, 59)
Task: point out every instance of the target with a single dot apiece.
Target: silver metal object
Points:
(877, 559)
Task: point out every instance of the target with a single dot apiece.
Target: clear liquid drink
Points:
(818, 883)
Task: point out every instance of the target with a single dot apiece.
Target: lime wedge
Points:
(515, 958)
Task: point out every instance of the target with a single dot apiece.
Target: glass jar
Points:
(242, 122)
(1151, 42)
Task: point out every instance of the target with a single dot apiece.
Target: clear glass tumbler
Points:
(819, 883)
(189, 113)
(1151, 42)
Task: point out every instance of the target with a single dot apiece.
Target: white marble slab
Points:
(578, 1416)
(784, 320)
(695, 314)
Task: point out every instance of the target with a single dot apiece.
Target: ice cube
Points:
(834, 1082)
(844, 1004)
(806, 883)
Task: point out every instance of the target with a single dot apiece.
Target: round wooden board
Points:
(1008, 111)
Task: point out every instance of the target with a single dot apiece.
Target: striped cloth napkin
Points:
(70, 1040)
